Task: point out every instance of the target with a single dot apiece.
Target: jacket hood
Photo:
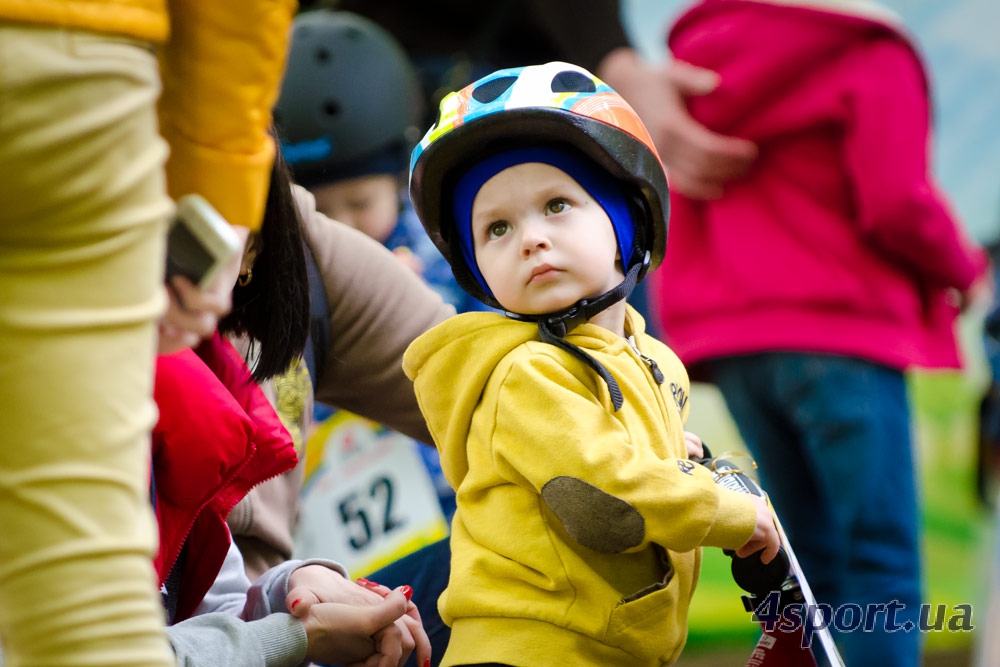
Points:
(467, 349)
(455, 349)
(727, 36)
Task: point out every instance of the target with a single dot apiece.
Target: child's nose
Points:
(533, 238)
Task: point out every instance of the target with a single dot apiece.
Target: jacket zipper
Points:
(649, 361)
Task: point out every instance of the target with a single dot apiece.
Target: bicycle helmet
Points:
(350, 102)
(556, 104)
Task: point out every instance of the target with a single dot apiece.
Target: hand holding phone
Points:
(200, 242)
(203, 257)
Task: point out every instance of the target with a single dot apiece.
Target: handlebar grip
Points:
(749, 573)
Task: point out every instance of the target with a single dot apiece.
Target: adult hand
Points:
(193, 313)
(699, 162)
(315, 584)
(411, 621)
(347, 634)
(981, 295)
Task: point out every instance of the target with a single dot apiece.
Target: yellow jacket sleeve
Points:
(221, 71)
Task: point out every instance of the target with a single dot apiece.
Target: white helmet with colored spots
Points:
(556, 104)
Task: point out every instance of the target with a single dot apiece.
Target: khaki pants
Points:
(83, 206)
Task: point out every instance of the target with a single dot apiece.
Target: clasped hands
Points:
(355, 624)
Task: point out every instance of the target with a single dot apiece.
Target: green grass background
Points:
(957, 530)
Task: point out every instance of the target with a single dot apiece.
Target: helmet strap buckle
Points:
(564, 322)
(644, 267)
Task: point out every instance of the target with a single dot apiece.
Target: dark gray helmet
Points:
(350, 102)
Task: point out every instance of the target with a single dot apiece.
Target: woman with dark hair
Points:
(220, 414)
(373, 307)
(271, 296)
(367, 307)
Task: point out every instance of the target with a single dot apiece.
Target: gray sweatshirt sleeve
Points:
(232, 592)
(229, 590)
(222, 640)
(265, 636)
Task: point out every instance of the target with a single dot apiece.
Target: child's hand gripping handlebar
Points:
(750, 573)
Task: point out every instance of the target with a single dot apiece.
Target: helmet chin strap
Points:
(553, 327)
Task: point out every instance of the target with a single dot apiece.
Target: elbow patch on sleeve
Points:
(595, 519)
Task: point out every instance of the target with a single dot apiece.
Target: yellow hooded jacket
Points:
(221, 66)
(576, 539)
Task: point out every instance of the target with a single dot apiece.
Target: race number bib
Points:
(367, 499)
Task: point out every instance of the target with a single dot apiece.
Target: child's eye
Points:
(557, 206)
(497, 229)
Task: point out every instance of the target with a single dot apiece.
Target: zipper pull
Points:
(657, 374)
(649, 361)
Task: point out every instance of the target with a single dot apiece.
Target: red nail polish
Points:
(367, 584)
(407, 592)
(295, 603)
(427, 662)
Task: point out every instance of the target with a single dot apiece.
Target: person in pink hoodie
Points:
(816, 279)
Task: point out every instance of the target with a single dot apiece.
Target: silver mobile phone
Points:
(200, 241)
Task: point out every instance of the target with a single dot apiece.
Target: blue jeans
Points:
(831, 436)
(426, 571)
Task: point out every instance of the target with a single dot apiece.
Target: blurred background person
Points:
(86, 182)
(348, 115)
(817, 278)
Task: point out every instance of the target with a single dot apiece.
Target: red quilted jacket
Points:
(217, 437)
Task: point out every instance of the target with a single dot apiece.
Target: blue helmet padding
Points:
(599, 184)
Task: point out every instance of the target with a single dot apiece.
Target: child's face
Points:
(369, 203)
(542, 242)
